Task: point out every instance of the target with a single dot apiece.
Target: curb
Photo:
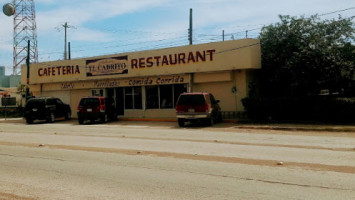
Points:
(147, 120)
(168, 120)
(238, 125)
(307, 129)
(10, 119)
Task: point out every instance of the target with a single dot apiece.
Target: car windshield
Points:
(191, 100)
(89, 102)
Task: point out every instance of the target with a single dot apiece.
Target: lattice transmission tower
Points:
(25, 30)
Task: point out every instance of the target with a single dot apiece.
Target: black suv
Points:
(198, 106)
(46, 108)
(93, 108)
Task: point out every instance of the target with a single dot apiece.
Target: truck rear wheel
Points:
(68, 116)
(51, 117)
(80, 120)
(181, 122)
(29, 120)
(104, 119)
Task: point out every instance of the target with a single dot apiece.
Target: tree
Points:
(301, 56)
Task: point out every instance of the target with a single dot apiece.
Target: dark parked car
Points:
(93, 108)
(198, 106)
(46, 108)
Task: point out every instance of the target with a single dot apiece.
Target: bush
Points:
(312, 109)
(11, 112)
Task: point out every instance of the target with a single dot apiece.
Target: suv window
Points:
(90, 102)
(58, 101)
(213, 100)
(191, 100)
(50, 101)
(208, 99)
(34, 102)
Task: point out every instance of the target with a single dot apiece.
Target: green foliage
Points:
(322, 109)
(301, 56)
(11, 112)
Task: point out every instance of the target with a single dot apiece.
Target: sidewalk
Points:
(271, 126)
(10, 119)
(299, 127)
(234, 124)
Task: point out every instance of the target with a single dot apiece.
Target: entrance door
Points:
(120, 101)
(110, 93)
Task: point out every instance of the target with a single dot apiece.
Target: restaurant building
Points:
(146, 84)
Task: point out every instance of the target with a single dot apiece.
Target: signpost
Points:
(8, 102)
(4, 103)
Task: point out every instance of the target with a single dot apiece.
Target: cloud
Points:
(6, 41)
(86, 34)
(83, 11)
(6, 46)
(97, 20)
(111, 8)
(244, 15)
(6, 29)
(45, 1)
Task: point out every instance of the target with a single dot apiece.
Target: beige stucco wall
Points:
(221, 91)
(221, 85)
(134, 113)
(222, 68)
(160, 113)
(63, 95)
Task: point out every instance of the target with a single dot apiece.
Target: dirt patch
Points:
(8, 196)
(209, 158)
(310, 166)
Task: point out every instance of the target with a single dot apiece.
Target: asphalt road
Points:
(154, 160)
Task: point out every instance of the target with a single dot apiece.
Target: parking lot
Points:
(160, 160)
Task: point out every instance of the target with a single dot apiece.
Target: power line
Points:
(123, 43)
(172, 42)
(337, 11)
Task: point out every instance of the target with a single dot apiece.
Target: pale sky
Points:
(117, 26)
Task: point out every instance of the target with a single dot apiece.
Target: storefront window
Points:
(163, 96)
(133, 98)
(128, 98)
(152, 97)
(137, 97)
(97, 92)
(166, 96)
(178, 89)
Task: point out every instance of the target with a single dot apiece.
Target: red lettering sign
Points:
(58, 71)
(173, 59)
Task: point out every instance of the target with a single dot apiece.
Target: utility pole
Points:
(66, 26)
(246, 34)
(223, 35)
(65, 40)
(69, 50)
(190, 29)
(28, 59)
